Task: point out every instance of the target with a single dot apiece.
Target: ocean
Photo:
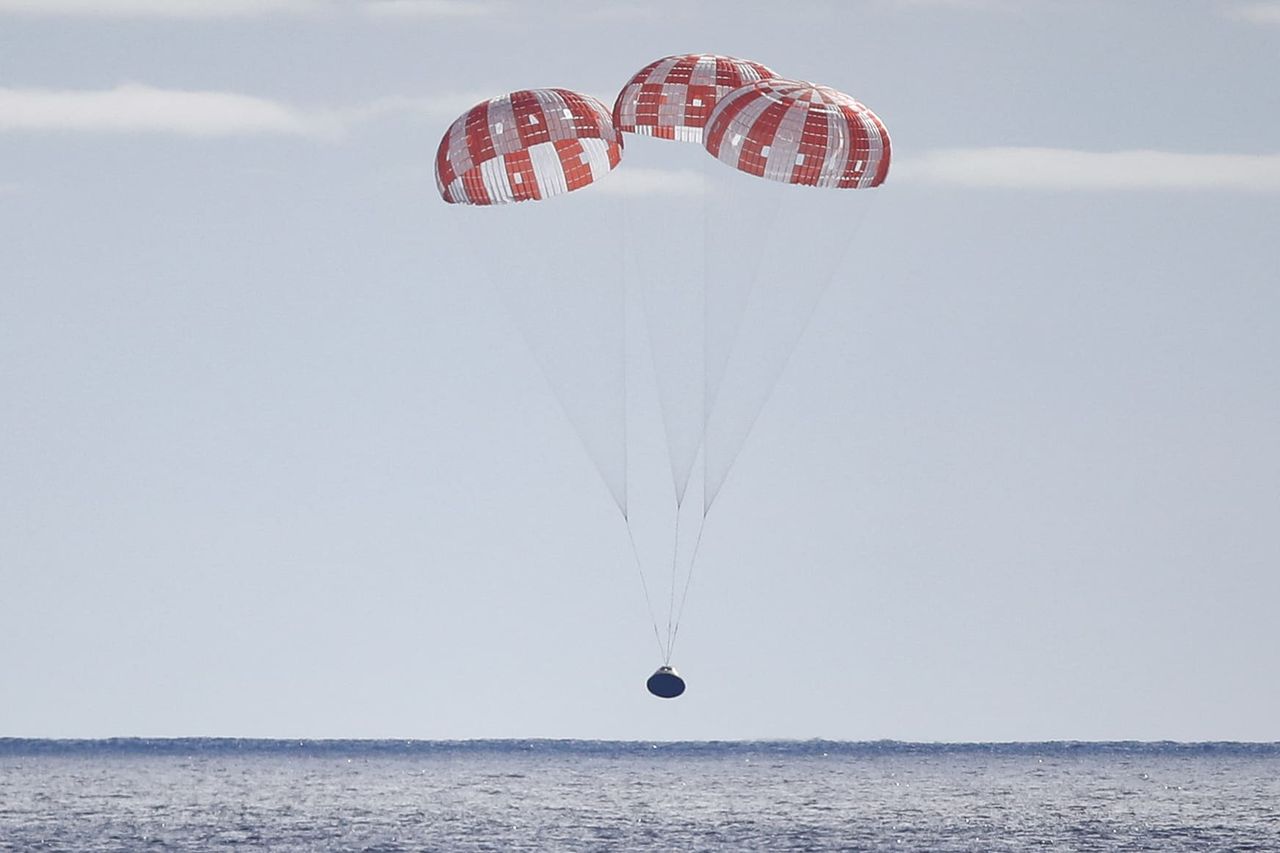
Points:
(224, 794)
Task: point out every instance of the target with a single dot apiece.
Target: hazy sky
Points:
(274, 462)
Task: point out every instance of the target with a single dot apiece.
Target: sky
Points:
(275, 461)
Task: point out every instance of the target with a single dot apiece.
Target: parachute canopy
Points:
(672, 97)
(799, 133)
(528, 145)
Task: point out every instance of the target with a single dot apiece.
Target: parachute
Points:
(511, 159)
(726, 268)
(799, 133)
(672, 97)
(526, 146)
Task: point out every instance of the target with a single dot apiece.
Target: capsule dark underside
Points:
(666, 683)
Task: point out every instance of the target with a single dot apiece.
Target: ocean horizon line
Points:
(794, 746)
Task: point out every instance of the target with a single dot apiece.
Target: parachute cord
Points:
(825, 285)
(648, 603)
(687, 580)
(626, 397)
(671, 605)
(735, 335)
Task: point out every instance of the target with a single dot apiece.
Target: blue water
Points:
(219, 794)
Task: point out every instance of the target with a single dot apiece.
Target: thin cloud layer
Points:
(1095, 171)
(960, 5)
(443, 106)
(136, 108)
(428, 8)
(210, 9)
(158, 8)
(1257, 13)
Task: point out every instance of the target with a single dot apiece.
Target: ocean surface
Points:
(220, 794)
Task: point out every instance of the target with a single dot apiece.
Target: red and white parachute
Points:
(527, 145)
(799, 133)
(672, 97)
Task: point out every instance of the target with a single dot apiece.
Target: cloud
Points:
(210, 9)
(630, 12)
(638, 181)
(963, 5)
(1065, 169)
(429, 8)
(159, 8)
(441, 106)
(136, 108)
(1258, 13)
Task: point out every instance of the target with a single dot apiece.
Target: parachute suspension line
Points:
(648, 603)
(763, 224)
(671, 604)
(662, 406)
(655, 304)
(810, 313)
(737, 200)
(508, 306)
(688, 579)
(626, 464)
(620, 220)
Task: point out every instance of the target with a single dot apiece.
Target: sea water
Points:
(201, 794)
